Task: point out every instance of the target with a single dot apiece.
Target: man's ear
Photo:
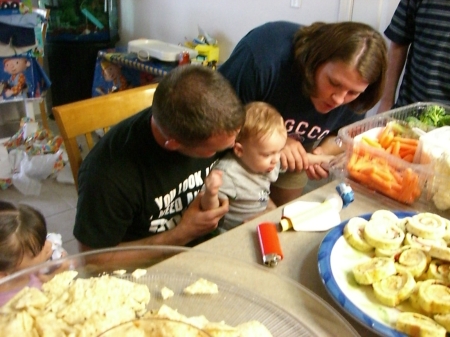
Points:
(172, 145)
(238, 149)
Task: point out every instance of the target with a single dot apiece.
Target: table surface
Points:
(300, 249)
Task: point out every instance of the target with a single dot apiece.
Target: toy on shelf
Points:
(207, 48)
(22, 36)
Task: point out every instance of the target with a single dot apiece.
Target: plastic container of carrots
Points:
(381, 159)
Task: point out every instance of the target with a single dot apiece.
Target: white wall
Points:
(228, 21)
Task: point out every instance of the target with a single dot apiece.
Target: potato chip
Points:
(201, 286)
(71, 306)
(166, 293)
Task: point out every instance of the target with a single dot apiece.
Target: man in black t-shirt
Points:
(140, 184)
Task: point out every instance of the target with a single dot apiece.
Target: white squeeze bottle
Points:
(320, 217)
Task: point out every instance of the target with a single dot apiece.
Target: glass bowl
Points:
(247, 291)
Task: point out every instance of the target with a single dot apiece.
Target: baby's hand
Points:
(213, 182)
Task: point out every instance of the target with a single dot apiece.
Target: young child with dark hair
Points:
(23, 244)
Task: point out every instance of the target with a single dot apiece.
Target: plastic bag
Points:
(34, 154)
(33, 169)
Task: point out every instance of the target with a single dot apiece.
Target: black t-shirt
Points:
(131, 188)
(261, 68)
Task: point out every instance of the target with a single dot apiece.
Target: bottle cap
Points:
(346, 193)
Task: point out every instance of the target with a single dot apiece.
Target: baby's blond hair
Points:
(261, 120)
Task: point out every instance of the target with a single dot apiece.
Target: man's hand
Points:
(194, 223)
(197, 222)
(293, 156)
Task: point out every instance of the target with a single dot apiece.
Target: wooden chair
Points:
(84, 117)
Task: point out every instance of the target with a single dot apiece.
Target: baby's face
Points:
(262, 155)
(29, 260)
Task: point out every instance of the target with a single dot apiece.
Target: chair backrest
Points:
(83, 117)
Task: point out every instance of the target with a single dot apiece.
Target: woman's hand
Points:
(316, 171)
(293, 156)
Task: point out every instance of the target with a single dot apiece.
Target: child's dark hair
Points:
(22, 229)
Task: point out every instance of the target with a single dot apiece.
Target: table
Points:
(300, 249)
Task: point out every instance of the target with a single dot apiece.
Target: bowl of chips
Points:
(175, 290)
(155, 327)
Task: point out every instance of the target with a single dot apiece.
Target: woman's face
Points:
(336, 84)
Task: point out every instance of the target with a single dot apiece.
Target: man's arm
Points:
(396, 60)
(194, 223)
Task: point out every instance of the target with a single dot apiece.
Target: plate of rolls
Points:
(390, 270)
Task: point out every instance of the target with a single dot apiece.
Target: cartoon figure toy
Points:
(113, 75)
(16, 86)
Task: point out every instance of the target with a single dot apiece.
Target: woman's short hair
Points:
(353, 43)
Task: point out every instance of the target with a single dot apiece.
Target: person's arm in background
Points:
(396, 60)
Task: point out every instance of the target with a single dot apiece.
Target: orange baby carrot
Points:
(367, 169)
(410, 141)
(397, 176)
(394, 194)
(384, 174)
(406, 150)
(383, 134)
(361, 164)
(358, 176)
(379, 181)
(409, 157)
(404, 146)
(352, 161)
(390, 147)
(387, 139)
(396, 148)
(371, 142)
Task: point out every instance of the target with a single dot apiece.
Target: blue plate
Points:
(329, 251)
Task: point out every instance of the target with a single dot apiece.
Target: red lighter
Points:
(269, 243)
